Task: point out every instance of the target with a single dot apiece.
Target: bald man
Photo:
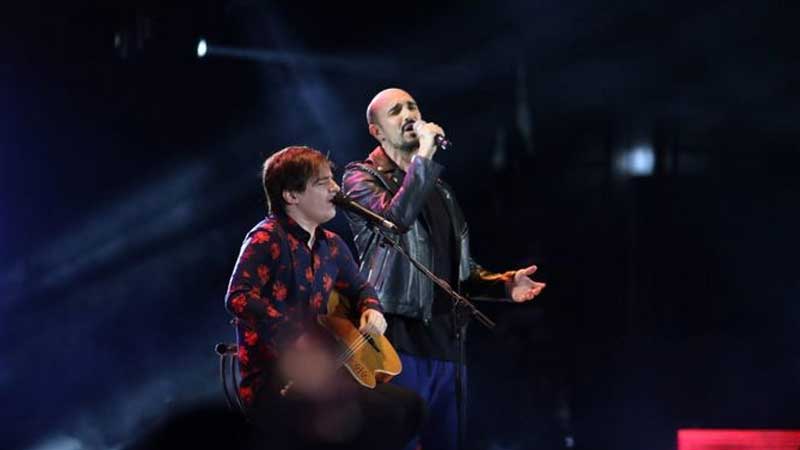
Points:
(400, 180)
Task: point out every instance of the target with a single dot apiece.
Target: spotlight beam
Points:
(347, 64)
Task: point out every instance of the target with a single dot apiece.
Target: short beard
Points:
(409, 146)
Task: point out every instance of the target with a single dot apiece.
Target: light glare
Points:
(202, 48)
(637, 161)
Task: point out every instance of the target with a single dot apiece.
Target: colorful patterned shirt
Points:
(279, 286)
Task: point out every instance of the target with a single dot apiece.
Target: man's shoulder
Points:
(375, 159)
(358, 172)
(268, 226)
(358, 165)
(268, 223)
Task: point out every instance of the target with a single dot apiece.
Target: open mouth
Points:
(408, 127)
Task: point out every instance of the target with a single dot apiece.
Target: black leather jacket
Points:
(380, 185)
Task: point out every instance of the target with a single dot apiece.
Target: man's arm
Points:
(513, 285)
(486, 285)
(257, 263)
(404, 206)
(354, 286)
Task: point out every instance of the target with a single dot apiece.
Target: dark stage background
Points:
(643, 154)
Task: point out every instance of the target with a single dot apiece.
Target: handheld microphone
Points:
(442, 142)
(349, 204)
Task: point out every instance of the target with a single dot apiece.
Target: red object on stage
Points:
(701, 439)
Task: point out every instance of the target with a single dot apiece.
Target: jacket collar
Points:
(386, 165)
(381, 160)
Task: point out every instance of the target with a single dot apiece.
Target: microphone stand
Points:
(463, 310)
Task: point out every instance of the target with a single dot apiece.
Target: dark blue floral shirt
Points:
(279, 286)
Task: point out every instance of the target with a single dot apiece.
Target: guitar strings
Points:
(352, 349)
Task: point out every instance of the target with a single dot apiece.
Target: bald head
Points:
(390, 116)
(383, 100)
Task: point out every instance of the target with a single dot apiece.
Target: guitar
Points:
(369, 359)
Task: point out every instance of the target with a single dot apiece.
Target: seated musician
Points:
(287, 268)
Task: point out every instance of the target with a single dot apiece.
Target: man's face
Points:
(395, 115)
(314, 204)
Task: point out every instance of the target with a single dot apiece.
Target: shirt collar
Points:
(292, 227)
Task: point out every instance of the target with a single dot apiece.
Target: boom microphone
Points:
(349, 204)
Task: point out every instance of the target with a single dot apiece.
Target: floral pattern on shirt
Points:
(279, 285)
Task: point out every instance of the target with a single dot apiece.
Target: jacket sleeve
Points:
(404, 206)
(486, 285)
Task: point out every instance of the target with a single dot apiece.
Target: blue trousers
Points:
(435, 381)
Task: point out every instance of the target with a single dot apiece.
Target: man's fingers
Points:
(372, 324)
(371, 328)
(367, 327)
(525, 272)
(379, 325)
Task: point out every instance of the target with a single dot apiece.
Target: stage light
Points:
(642, 160)
(637, 161)
(202, 48)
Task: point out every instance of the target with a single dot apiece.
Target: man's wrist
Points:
(419, 155)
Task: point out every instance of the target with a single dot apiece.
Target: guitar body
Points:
(371, 362)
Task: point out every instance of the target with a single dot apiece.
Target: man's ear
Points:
(290, 197)
(375, 131)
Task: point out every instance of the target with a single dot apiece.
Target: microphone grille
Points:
(340, 198)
